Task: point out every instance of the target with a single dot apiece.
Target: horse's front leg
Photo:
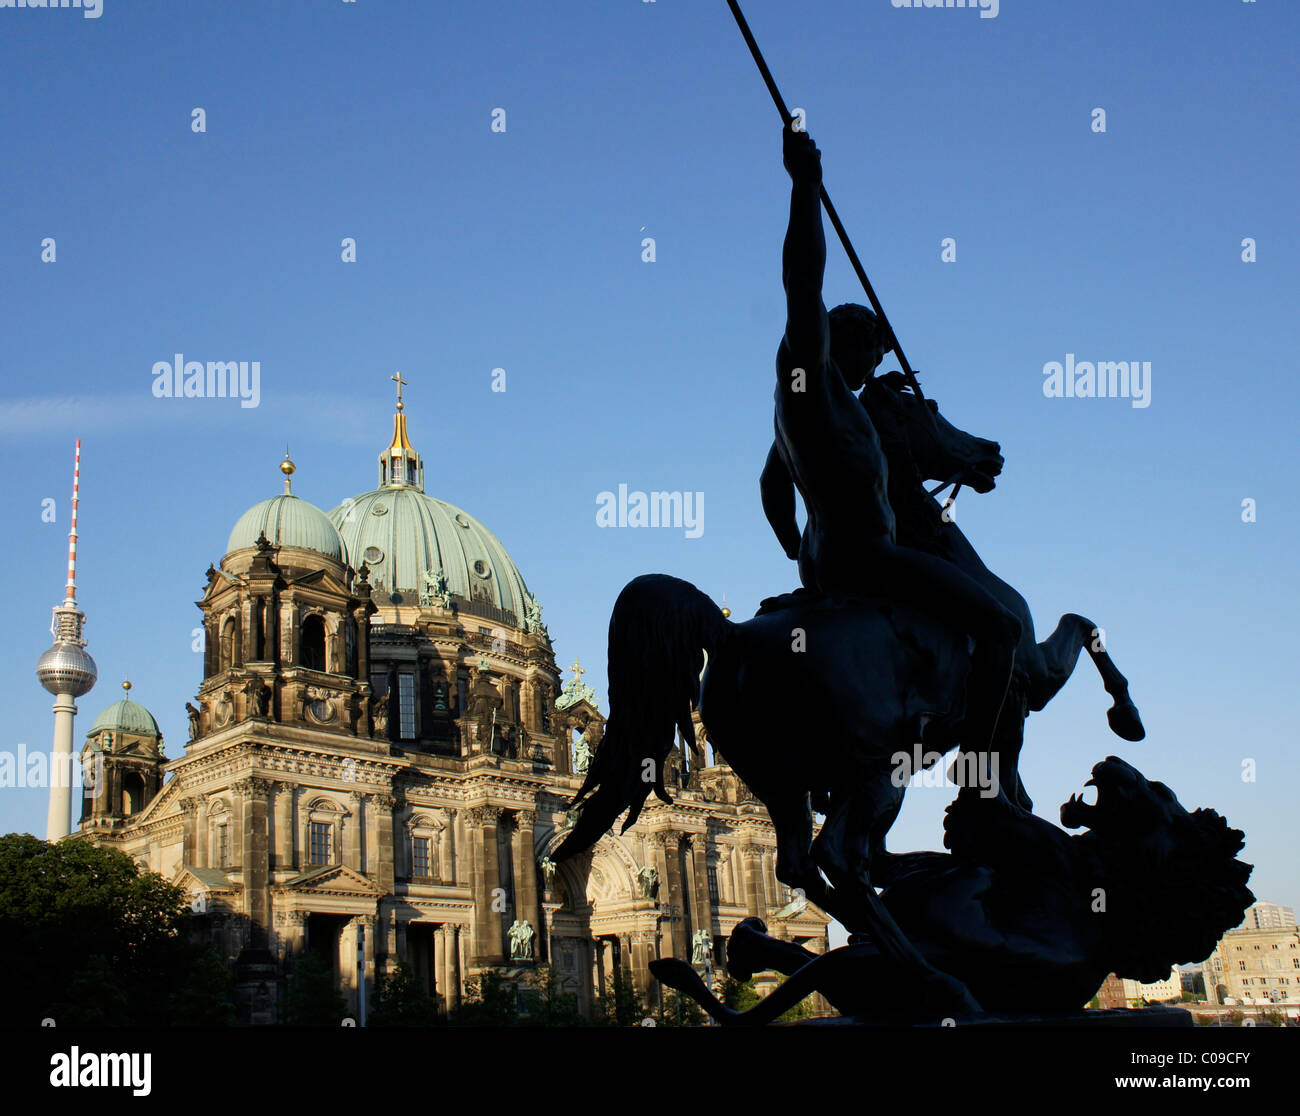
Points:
(857, 824)
(1060, 654)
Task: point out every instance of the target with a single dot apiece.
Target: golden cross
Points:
(577, 670)
(400, 384)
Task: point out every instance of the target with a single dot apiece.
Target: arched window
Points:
(227, 643)
(132, 793)
(312, 643)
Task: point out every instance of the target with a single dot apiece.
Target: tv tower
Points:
(68, 672)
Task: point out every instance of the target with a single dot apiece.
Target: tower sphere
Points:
(66, 669)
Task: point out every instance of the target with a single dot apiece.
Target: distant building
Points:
(1269, 916)
(381, 758)
(1258, 963)
(1118, 992)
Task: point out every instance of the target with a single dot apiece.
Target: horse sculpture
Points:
(874, 678)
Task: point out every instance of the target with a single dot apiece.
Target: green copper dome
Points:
(287, 521)
(407, 538)
(126, 716)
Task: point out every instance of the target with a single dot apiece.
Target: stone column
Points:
(255, 853)
(456, 964)
(447, 849)
(353, 826)
(673, 892)
(526, 877)
(284, 842)
(190, 831)
(288, 627)
(769, 876)
(703, 907)
(202, 854)
(441, 961)
(754, 900)
(385, 853)
(362, 619)
(483, 822)
(295, 932)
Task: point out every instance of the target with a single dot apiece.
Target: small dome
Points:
(287, 521)
(126, 716)
(404, 535)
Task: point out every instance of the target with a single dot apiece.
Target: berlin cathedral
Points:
(380, 762)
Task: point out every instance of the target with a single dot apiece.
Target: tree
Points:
(621, 1005)
(489, 1002)
(549, 1005)
(96, 941)
(739, 995)
(678, 1011)
(313, 1001)
(401, 1001)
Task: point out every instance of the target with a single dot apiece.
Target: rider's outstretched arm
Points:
(807, 330)
(777, 490)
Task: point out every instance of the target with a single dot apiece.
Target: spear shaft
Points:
(786, 119)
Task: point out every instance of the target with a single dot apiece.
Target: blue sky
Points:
(522, 250)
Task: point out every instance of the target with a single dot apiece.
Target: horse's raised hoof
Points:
(1125, 721)
(741, 947)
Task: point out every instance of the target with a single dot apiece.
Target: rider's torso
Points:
(835, 459)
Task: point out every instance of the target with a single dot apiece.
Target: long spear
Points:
(786, 119)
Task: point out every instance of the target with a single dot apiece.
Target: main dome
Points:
(405, 537)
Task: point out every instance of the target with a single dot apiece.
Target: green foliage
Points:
(739, 995)
(549, 1005)
(313, 1001)
(1275, 1019)
(401, 1001)
(621, 1004)
(489, 1002)
(95, 941)
(678, 1011)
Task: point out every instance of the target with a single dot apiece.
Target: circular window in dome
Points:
(373, 555)
(462, 519)
(481, 568)
(379, 509)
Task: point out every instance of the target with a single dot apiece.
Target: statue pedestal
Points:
(1109, 1019)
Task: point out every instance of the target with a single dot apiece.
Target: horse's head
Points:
(937, 449)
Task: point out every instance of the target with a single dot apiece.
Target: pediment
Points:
(190, 880)
(333, 879)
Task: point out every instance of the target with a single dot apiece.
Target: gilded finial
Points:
(726, 612)
(126, 686)
(400, 384)
(288, 468)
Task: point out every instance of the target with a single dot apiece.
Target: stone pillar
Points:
(456, 963)
(288, 645)
(483, 821)
(295, 932)
(255, 852)
(353, 825)
(699, 861)
(642, 953)
(237, 651)
(673, 892)
(256, 629)
(284, 836)
(363, 644)
(754, 901)
(190, 831)
(769, 876)
(385, 854)
(202, 855)
(447, 849)
(442, 962)
(526, 877)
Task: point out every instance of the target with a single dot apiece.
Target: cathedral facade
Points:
(380, 761)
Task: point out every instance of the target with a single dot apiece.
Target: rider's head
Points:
(859, 342)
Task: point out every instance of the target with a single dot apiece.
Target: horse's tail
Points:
(658, 634)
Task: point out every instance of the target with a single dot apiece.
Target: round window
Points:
(379, 509)
(461, 518)
(373, 554)
(481, 568)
